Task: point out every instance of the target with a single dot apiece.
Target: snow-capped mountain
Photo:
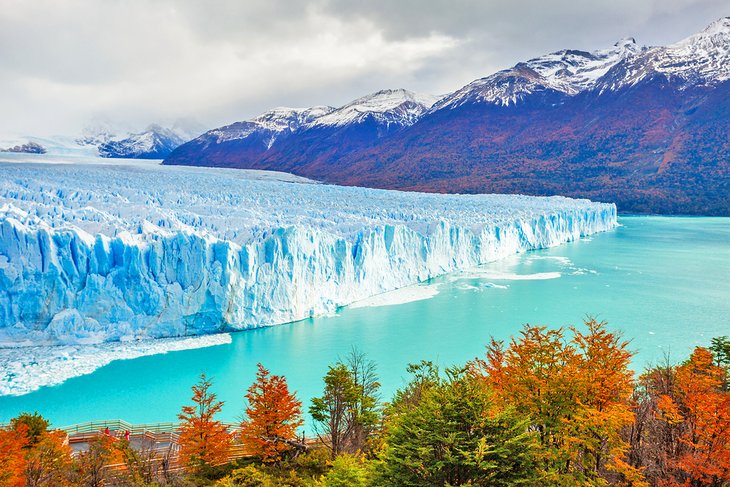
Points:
(29, 147)
(400, 108)
(300, 135)
(103, 138)
(397, 108)
(155, 142)
(702, 58)
(565, 72)
(647, 127)
(269, 125)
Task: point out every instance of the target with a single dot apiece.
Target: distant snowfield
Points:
(124, 252)
(85, 157)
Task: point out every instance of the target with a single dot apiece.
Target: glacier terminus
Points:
(92, 254)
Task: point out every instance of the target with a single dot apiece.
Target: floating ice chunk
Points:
(399, 296)
(507, 276)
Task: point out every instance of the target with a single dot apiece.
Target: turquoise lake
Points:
(664, 282)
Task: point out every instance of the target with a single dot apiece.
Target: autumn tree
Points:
(91, 464)
(697, 412)
(273, 416)
(144, 464)
(13, 441)
(204, 441)
(32, 455)
(48, 461)
(576, 392)
(606, 384)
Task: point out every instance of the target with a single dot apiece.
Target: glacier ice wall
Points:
(91, 254)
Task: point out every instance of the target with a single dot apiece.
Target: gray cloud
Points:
(137, 61)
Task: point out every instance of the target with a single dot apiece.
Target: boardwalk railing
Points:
(118, 425)
(161, 438)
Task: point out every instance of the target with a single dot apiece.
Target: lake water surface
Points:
(664, 282)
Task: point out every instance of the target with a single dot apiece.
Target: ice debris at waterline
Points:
(90, 254)
(26, 369)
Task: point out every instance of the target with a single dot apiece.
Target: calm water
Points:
(664, 282)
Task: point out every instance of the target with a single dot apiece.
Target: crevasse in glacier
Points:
(91, 254)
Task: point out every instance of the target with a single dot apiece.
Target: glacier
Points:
(118, 253)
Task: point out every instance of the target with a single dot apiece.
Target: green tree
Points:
(720, 348)
(451, 432)
(348, 411)
(366, 413)
(36, 426)
(349, 471)
(332, 411)
(248, 476)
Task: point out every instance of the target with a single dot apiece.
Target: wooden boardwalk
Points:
(159, 440)
(162, 437)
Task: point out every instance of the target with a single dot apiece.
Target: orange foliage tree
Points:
(273, 416)
(48, 461)
(91, 465)
(697, 410)
(12, 456)
(576, 392)
(204, 441)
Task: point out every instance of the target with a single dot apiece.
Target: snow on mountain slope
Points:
(399, 107)
(702, 58)
(54, 145)
(154, 142)
(269, 125)
(25, 148)
(90, 254)
(566, 71)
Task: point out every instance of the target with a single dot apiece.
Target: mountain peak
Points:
(702, 57)
(391, 98)
(391, 106)
(717, 33)
(626, 42)
(568, 71)
(720, 26)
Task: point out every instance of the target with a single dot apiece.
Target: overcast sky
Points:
(64, 63)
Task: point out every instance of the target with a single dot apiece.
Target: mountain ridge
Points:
(646, 127)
